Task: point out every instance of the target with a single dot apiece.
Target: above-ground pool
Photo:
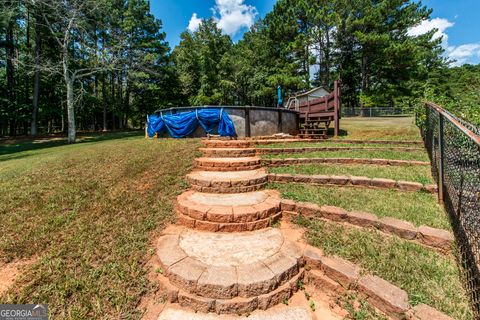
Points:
(249, 121)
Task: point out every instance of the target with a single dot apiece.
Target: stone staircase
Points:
(225, 257)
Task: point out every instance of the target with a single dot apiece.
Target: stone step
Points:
(238, 305)
(229, 265)
(282, 313)
(228, 143)
(228, 152)
(228, 164)
(227, 181)
(227, 227)
(234, 212)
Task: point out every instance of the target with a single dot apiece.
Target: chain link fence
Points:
(376, 112)
(454, 149)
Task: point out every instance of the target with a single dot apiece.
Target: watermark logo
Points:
(23, 312)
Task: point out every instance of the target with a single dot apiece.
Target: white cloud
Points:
(194, 23)
(234, 15)
(230, 15)
(428, 25)
(462, 54)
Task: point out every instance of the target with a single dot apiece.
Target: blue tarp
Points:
(181, 125)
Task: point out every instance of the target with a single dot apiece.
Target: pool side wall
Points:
(262, 121)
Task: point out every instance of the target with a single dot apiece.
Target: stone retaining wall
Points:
(335, 275)
(380, 162)
(352, 181)
(273, 151)
(287, 139)
(438, 239)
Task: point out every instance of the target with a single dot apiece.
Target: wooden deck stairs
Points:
(316, 115)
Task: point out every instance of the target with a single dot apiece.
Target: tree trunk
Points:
(104, 92)
(112, 95)
(365, 75)
(127, 101)
(104, 101)
(70, 111)
(26, 77)
(63, 117)
(11, 76)
(69, 82)
(307, 65)
(36, 78)
(327, 58)
(120, 99)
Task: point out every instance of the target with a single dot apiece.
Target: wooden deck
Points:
(316, 115)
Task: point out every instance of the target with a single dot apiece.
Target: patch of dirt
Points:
(322, 305)
(153, 303)
(142, 187)
(10, 271)
(291, 231)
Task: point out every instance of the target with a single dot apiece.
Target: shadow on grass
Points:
(342, 133)
(9, 150)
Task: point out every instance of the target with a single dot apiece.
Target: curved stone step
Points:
(281, 313)
(237, 305)
(229, 265)
(227, 181)
(235, 212)
(228, 164)
(228, 227)
(228, 152)
(228, 143)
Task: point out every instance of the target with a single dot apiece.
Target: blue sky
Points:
(458, 21)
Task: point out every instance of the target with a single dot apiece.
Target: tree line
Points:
(68, 65)
(81, 64)
(301, 43)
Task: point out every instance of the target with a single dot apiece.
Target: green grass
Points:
(359, 308)
(334, 144)
(394, 129)
(388, 128)
(409, 173)
(417, 207)
(88, 212)
(16, 147)
(358, 153)
(427, 276)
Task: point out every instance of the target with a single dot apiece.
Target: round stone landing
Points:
(227, 181)
(228, 164)
(228, 143)
(228, 152)
(231, 268)
(283, 313)
(234, 212)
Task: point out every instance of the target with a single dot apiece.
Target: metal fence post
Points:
(248, 130)
(280, 121)
(441, 149)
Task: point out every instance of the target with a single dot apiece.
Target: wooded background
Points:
(68, 65)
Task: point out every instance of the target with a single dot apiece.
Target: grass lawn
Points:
(392, 128)
(86, 212)
(420, 174)
(328, 143)
(359, 153)
(420, 208)
(22, 146)
(387, 128)
(427, 276)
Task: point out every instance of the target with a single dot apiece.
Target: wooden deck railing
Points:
(328, 106)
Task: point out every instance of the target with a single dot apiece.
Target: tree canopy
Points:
(105, 64)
